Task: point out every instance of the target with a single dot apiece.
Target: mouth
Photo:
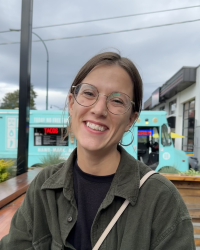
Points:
(95, 126)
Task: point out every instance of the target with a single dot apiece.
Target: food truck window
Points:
(49, 137)
(148, 145)
(165, 137)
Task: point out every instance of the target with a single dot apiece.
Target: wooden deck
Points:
(189, 191)
(6, 214)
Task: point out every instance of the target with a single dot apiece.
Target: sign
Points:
(145, 132)
(51, 130)
(12, 132)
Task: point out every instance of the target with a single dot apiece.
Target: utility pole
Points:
(24, 85)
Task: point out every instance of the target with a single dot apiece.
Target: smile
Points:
(95, 126)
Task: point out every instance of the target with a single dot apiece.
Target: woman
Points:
(69, 205)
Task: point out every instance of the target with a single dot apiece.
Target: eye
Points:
(88, 93)
(117, 101)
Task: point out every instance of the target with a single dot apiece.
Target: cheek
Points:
(77, 114)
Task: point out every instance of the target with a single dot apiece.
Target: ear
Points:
(71, 103)
(132, 118)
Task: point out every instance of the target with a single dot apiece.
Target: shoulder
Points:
(47, 173)
(161, 190)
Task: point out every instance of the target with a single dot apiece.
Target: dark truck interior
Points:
(148, 146)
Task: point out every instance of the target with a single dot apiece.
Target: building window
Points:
(162, 108)
(172, 107)
(188, 126)
(49, 137)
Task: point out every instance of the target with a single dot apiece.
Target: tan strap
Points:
(118, 214)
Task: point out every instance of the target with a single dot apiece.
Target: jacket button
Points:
(69, 219)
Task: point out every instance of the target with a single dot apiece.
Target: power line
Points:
(109, 18)
(108, 33)
(5, 31)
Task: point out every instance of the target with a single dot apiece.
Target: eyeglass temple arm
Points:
(133, 103)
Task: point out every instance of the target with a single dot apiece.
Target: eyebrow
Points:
(116, 91)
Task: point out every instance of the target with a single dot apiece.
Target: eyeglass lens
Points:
(86, 95)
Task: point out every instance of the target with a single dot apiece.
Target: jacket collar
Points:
(125, 183)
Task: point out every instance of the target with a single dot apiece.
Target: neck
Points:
(98, 163)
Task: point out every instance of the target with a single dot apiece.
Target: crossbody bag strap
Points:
(118, 214)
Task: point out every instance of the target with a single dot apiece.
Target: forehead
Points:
(110, 78)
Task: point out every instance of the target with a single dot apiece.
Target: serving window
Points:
(49, 137)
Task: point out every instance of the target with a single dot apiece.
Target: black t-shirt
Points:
(90, 191)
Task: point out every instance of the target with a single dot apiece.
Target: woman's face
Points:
(106, 79)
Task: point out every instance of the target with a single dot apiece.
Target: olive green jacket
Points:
(155, 219)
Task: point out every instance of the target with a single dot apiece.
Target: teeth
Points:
(95, 126)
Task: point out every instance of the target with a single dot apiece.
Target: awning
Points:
(174, 135)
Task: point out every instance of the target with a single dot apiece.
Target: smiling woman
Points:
(69, 205)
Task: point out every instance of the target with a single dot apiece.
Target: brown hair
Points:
(111, 58)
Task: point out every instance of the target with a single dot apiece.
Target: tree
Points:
(11, 100)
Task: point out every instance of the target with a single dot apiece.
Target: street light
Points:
(47, 85)
(56, 107)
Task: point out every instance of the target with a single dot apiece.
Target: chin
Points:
(92, 146)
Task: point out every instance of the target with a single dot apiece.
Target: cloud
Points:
(158, 53)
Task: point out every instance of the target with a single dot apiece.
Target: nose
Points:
(100, 108)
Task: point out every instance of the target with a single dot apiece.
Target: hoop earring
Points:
(66, 130)
(120, 142)
(68, 122)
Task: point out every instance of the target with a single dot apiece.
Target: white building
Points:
(180, 98)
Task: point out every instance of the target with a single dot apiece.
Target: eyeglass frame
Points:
(133, 103)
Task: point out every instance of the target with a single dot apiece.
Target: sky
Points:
(158, 53)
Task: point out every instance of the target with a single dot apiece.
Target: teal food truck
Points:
(44, 135)
(152, 143)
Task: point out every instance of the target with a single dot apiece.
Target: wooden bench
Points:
(189, 188)
(13, 188)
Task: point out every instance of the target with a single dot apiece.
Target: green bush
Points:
(190, 172)
(173, 170)
(4, 165)
(168, 170)
(51, 159)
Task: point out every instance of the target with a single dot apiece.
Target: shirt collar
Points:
(125, 183)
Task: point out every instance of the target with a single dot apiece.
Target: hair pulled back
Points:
(112, 58)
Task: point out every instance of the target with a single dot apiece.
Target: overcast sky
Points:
(157, 52)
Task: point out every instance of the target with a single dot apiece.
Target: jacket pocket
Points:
(47, 243)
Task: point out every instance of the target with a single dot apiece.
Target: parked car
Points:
(193, 163)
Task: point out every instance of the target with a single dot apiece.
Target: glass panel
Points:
(185, 141)
(186, 107)
(191, 133)
(191, 113)
(165, 137)
(190, 122)
(190, 147)
(185, 132)
(185, 114)
(192, 104)
(185, 124)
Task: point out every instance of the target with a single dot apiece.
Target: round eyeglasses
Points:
(87, 95)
